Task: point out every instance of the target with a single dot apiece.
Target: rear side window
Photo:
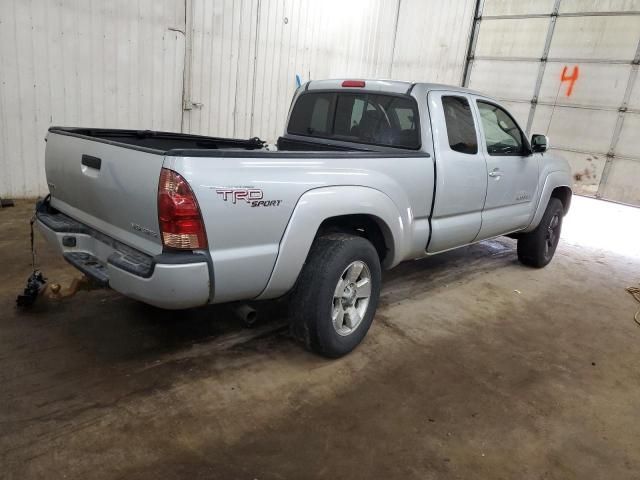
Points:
(375, 119)
(460, 128)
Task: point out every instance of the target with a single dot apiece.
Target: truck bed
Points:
(108, 179)
(168, 143)
(158, 142)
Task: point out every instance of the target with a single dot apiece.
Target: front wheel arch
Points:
(556, 185)
(537, 248)
(564, 195)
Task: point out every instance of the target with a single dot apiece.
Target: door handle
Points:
(91, 162)
(495, 173)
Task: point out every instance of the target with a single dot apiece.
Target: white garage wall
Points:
(247, 53)
(521, 51)
(83, 63)
(122, 64)
(131, 63)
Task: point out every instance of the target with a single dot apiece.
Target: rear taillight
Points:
(181, 224)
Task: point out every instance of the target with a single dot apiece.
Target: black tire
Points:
(313, 309)
(537, 247)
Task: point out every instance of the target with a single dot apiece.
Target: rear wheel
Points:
(537, 247)
(335, 299)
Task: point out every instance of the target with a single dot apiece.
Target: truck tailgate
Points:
(109, 187)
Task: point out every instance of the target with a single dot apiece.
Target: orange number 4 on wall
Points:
(570, 78)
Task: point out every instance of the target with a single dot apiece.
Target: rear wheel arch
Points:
(367, 226)
(373, 213)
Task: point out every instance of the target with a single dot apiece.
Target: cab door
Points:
(512, 171)
(461, 171)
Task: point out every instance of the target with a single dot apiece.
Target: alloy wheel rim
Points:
(351, 298)
(552, 235)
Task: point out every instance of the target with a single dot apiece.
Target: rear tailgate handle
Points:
(91, 162)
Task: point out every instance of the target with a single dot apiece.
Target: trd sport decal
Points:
(237, 194)
(252, 196)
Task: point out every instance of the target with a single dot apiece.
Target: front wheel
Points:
(335, 299)
(536, 248)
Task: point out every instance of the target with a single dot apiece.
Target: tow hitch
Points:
(36, 281)
(35, 284)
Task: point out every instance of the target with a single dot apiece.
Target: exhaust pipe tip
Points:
(248, 315)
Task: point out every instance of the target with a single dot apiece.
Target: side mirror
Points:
(539, 143)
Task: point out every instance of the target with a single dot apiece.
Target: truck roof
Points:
(391, 86)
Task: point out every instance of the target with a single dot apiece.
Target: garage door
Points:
(568, 69)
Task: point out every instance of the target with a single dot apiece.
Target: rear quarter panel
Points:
(244, 240)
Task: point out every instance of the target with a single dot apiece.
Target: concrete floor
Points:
(475, 367)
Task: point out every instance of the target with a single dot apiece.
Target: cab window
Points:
(311, 115)
(461, 130)
(369, 118)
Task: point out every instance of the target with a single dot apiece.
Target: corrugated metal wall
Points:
(246, 53)
(569, 69)
(83, 63)
(120, 64)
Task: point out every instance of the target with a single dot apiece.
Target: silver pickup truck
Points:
(367, 174)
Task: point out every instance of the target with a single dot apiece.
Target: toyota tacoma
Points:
(367, 174)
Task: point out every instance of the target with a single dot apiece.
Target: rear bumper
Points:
(169, 280)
